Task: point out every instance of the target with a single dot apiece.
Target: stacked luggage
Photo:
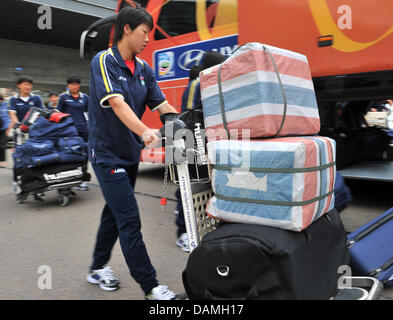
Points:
(53, 156)
(273, 182)
(282, 174)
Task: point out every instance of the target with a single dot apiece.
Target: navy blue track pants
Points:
(120, 219)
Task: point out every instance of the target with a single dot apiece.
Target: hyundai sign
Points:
(175, 63)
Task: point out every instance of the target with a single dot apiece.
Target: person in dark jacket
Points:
(4, 123)
(121, 85)
(53, 98)
(23, 101)
(20, 104)
(75, 103)
(192, 95)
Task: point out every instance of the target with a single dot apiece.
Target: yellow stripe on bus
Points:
(326, 25)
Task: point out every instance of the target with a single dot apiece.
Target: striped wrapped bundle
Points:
(259, 91)
(282, 182)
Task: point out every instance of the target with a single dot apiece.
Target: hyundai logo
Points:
(190, 58)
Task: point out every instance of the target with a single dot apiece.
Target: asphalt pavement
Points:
(46, 249)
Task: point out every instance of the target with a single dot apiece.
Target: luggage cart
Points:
(195, 194)
(60, 177)
(66, 178)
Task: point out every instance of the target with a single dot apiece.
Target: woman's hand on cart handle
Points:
(150, 137)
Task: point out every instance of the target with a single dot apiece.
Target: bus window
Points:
(179, 17)
(143, 3)
(125, 3)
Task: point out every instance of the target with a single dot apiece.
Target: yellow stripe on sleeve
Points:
(160, 105)
(104, 77)
(191, 94)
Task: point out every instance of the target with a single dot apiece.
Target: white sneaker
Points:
(104, 278)
(82, 187)
(182, 242)
(161, 293)
(16, 187)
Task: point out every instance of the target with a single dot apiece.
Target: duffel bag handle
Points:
(198, 292)
(222, 105)
(251, 294)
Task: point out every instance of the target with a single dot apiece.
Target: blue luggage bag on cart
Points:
(371, 249)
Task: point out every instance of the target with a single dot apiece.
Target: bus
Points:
(348, 45)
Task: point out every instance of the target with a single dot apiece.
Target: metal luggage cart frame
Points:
(63, 188)
(195, 196)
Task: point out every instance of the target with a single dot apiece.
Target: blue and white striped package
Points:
(282, 182)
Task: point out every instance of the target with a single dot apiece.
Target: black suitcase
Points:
(244, 261)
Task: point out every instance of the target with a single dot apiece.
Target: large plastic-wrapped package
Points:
(283, 182)
(259, 91)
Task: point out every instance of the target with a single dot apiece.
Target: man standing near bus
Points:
(121, 85)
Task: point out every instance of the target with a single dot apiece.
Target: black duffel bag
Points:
(38, 178)
(244, 261)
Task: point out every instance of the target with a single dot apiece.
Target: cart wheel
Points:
(19, 198)
(64, 200)
(37, 197)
